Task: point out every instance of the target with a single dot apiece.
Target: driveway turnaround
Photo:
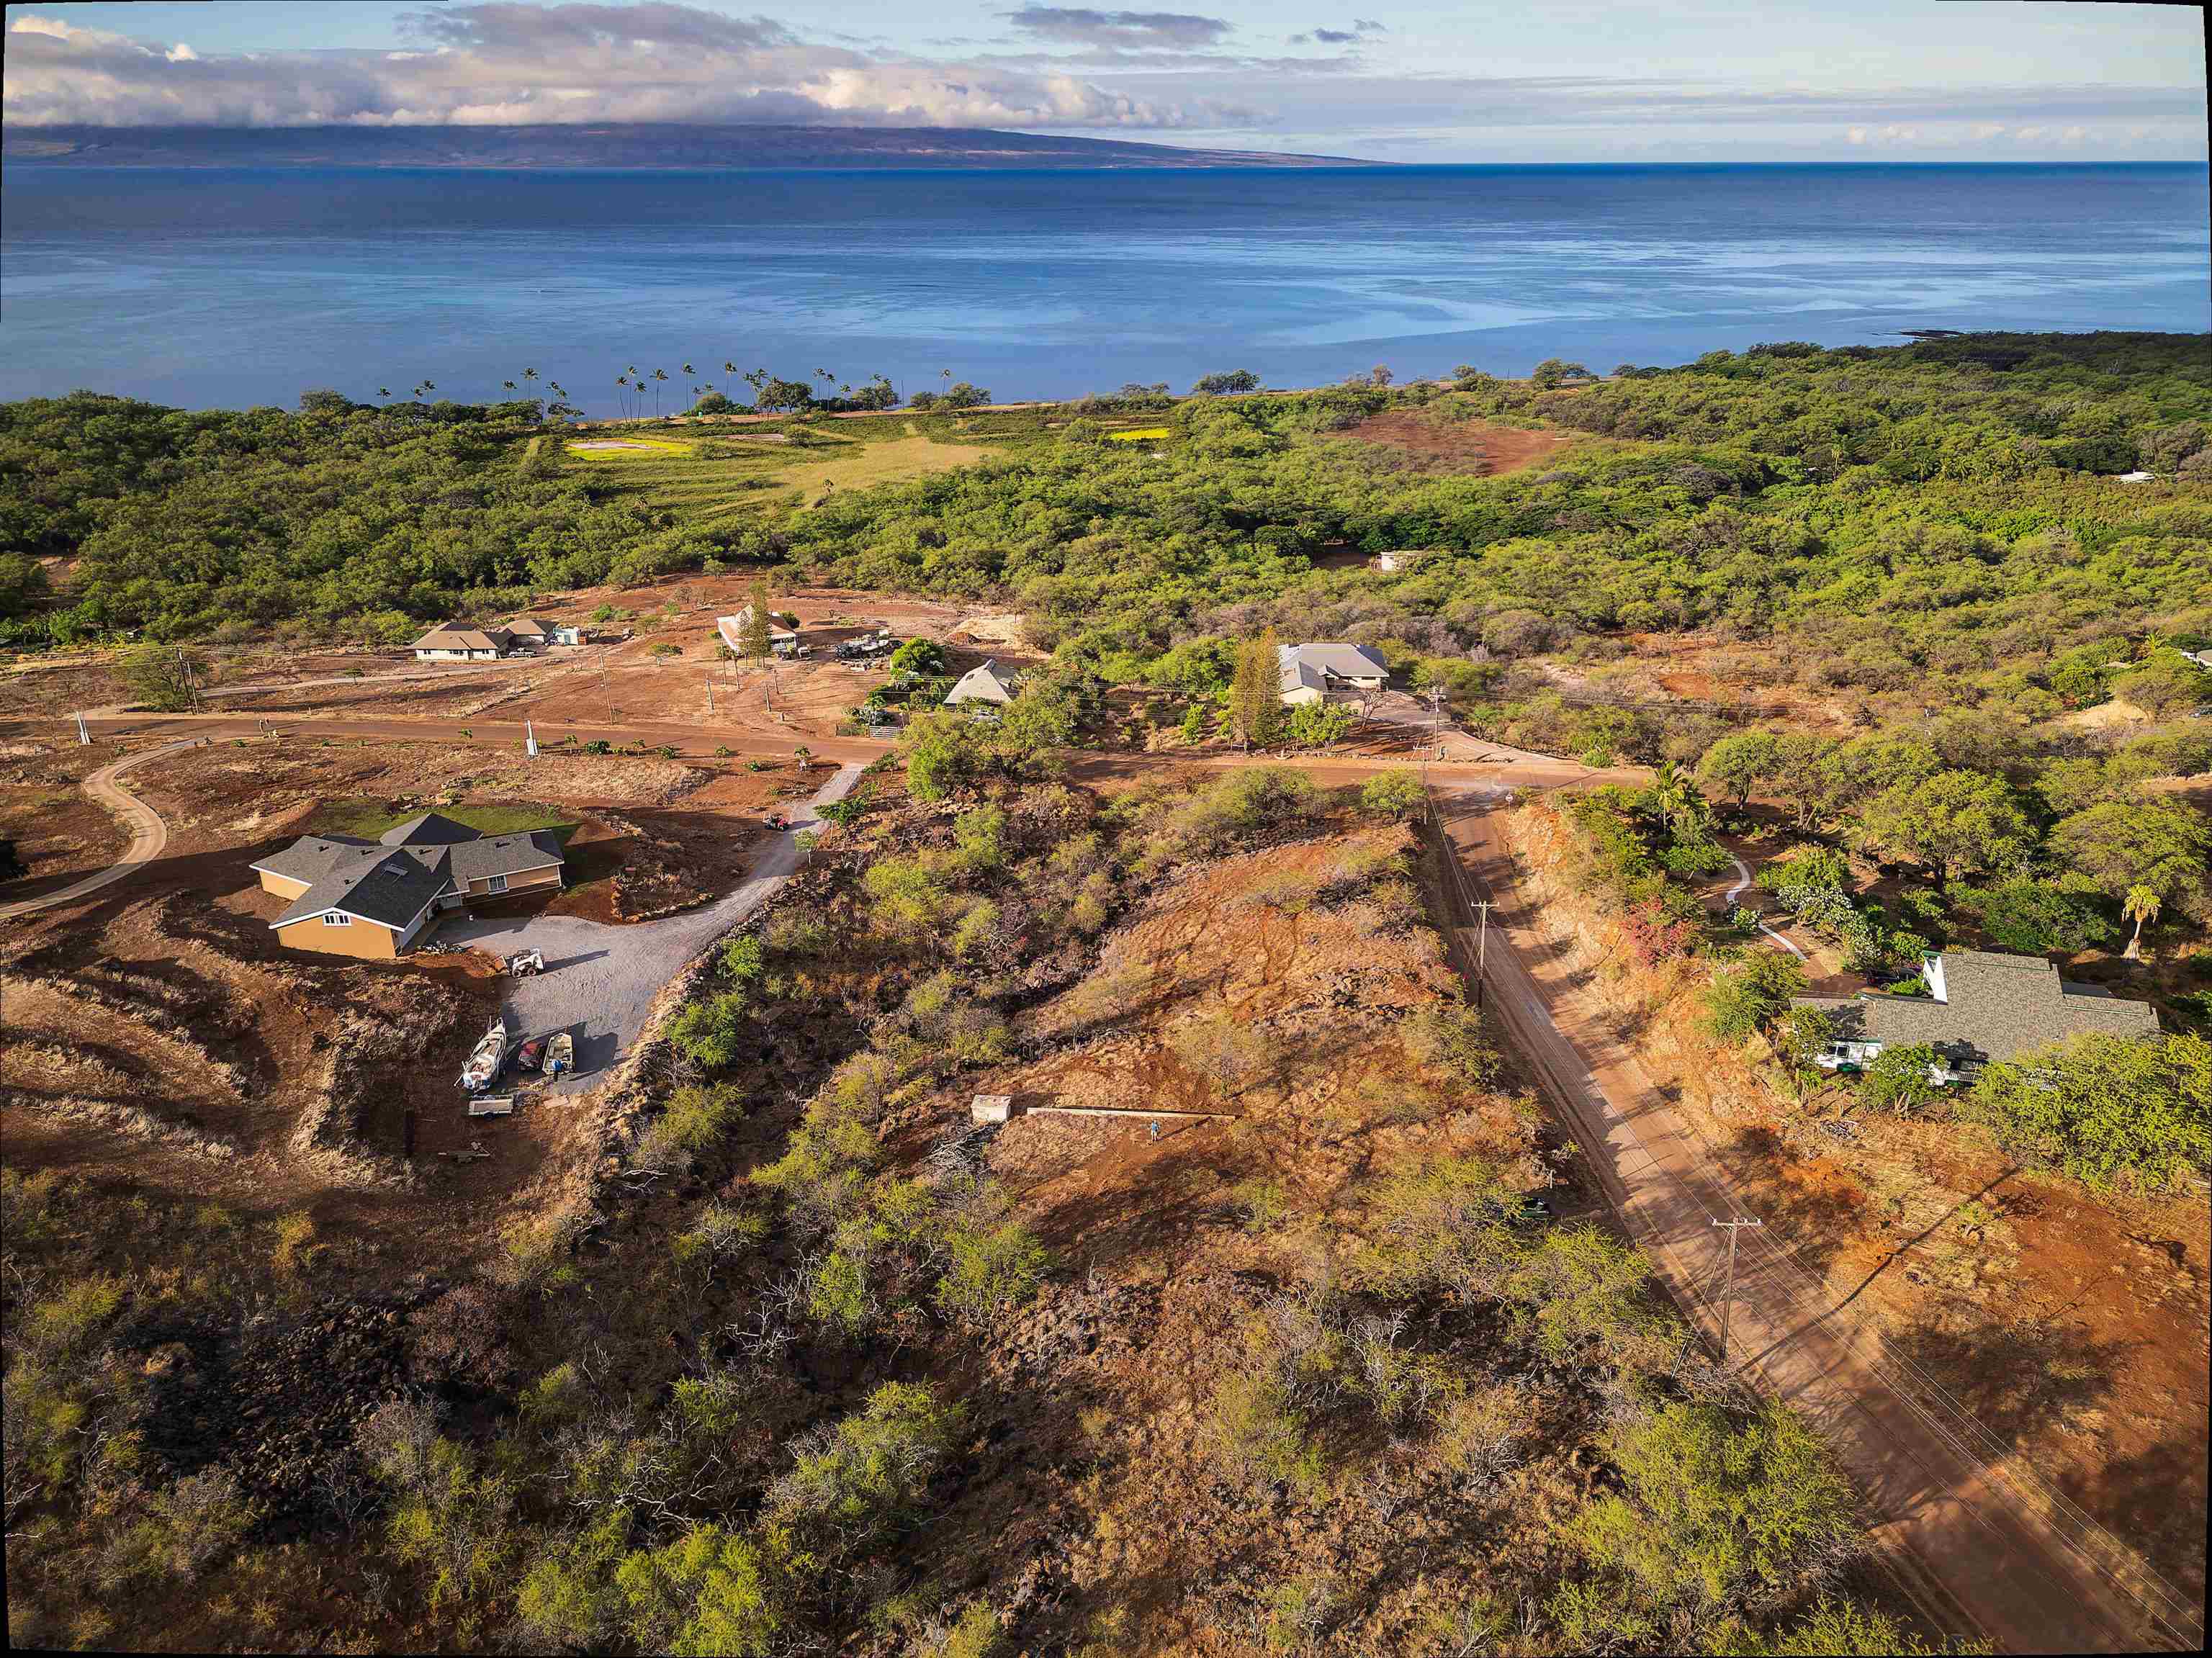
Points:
(599, 979)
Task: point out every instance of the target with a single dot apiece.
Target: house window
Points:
(335, 918)
(496, 883)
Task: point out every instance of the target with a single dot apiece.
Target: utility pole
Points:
(1727, 1289)
(530, 737)
(84, 737)
(1481, 952)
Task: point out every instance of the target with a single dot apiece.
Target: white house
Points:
(1980, 1006)
(1311, 673)
(981, 687)
(781, 639)
(1398, 558)
(452, 644)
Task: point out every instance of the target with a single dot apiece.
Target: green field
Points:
(764, 469)
(365, 818)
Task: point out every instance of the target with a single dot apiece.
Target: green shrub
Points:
(1261, 1439)
(1751, 995)
(1452, 1040)
(1717, 1508)
(2105, 1110)
(1897, 1080)
(1393, 794)
(990, 1271)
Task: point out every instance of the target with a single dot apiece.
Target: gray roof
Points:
(431, 828)
(1993, 1008)
(1314, 667)
(980, 684)
(310, 857)
(382, 884)
(502, 854)
(390, 881)
(450, 638)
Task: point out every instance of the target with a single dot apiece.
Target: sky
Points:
(1561, 81)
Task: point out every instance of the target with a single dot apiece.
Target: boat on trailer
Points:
(484, 1062)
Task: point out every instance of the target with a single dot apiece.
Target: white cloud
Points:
(504, 63)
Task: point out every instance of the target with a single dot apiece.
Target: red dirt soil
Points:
(1461, 447)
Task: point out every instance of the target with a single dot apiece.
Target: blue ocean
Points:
(215, 288)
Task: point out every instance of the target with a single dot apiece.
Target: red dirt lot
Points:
(58, 834)
(158, 1030)
(1475, 446)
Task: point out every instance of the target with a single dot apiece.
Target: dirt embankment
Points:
(2072, 1326)
(1272, 987)
(1474, 445)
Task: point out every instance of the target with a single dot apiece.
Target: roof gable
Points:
(430, 828)
(980, 683)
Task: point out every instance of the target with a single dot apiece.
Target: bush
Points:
(710, 1032)
(1393, 794)
(1717, 1508)
(1897, 1080)
(1452, 1040)
(1261, 1439)
(2034, 918)
(1749, 996)
(990, 1272)
(2105, 1110)
(855, 1481)
(1240, 807)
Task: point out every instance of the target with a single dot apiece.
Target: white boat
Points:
(485, 1063)
(559, 1053)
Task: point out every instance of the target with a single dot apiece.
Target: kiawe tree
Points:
(1955, 822)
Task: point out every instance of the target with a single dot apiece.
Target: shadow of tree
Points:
(2154, 1500)
(1822, 1221)
(2016, 1375)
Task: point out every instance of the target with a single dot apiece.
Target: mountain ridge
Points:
(640, 147)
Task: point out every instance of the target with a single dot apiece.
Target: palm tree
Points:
(383, 391)
(509, 385)
(2141, 905)
(1670, 793)
(530, 374)
(729, 369)
(689, 369)
(659, 375)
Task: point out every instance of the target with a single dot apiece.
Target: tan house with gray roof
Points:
(374, 898)
(450, 643)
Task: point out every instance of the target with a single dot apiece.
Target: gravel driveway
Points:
(599, 980)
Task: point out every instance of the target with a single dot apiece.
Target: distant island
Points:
(662, 147)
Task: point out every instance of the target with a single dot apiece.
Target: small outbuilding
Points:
(532, 630)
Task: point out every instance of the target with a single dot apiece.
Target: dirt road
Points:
(1984, 1548)
(148, 834)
